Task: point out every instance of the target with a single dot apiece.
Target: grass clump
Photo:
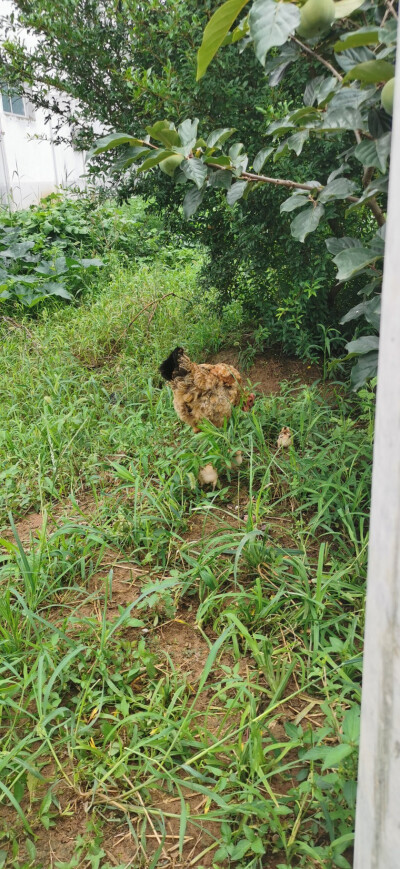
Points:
(180, 668)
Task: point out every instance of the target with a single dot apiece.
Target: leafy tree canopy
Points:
(121, 64)
(354, 44)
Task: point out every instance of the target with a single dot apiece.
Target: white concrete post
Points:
(377, 844)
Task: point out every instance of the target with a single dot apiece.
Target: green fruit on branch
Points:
(170, 164)
(316, 16)
(387, 96)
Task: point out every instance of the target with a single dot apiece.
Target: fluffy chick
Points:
(208, 476)
(203, 391)
(284, 438)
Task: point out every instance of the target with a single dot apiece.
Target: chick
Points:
(208, 476)
(284, 438)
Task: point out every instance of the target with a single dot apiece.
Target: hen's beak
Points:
(248, 404)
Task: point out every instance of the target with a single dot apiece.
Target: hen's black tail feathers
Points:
(170, 367)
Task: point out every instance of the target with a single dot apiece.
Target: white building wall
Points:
(31, 165)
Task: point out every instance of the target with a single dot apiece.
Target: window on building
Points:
(12, 102)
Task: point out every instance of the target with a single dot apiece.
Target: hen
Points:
(203, 391)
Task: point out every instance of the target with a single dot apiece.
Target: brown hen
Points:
(203, 391)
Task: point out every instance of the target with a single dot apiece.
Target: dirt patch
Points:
(269, 370)
(183, 643)
(30, 526)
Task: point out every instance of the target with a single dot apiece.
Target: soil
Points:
(269, 370)
(178, 641)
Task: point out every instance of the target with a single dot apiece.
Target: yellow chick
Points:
(208, 476)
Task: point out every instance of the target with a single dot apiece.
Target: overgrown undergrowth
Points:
(180, 669)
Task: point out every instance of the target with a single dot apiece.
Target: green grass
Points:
(213, 691)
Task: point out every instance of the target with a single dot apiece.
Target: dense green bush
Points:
(56, 248)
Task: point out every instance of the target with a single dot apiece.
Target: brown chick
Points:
(284, 438)
(203, 391)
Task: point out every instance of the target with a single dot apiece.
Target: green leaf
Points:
(216, 30)
(371, 72)
(373, 312)
(155, 158)
(369, 309)
(353, 260)
(318, 89)
(171, 164)
(219, 161)
(294, 201)
(238, 33)
(339, 188)
(291, 730)
(113, 140)
(236, 192)
(388, 33)
(271, 24)
(277, 127)
(257, 846)
(363, 345)
(344, 8)
(276, 67)
(343, 111)
(218, 137)
(239, 850)
(347, 59)
(260, 158)
(182, 824)
(363, 36)
(297, 140)
(365, 368)
(192, 200)
(195, 170)
(53, 289)
(94, 262)
(220, 178)
(164, 132)
(350, 793)
(379, 122)
(306, 222)
(335, 756)
(374, 152)
(351, 724)
(340, 861)
(344, 118)
(235, 150)
(188, 132)
(129, 156)
(336, 245)
(17, 250)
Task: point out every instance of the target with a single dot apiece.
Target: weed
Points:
(210, 695)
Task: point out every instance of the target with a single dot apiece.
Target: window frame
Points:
(11, 97)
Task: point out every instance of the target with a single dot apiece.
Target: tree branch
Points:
(376, 211)
(279, 182)
(318, 57)
(372, 203)
(389, 11)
